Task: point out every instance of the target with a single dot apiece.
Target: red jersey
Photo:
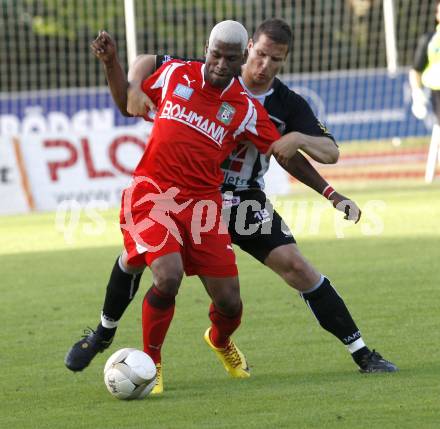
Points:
(196, 127)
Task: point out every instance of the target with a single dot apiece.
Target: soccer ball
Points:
(129, 374)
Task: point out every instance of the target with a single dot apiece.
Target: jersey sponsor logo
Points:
(205, 126)
(188, 80)
(183, 91)
(225, 113)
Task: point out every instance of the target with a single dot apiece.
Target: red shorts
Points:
(154, 225)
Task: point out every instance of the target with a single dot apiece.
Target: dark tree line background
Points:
(44, 44)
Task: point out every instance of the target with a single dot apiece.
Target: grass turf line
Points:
(301, 376)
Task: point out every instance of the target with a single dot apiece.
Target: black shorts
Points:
(253, 223)
(435, 99)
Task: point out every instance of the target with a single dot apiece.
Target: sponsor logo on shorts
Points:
(262, 216)
(230, 202)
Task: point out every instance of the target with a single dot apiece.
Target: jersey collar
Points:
(202, 70)
(263, 96)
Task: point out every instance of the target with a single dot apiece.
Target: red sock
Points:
(222, 326)
(157, 313)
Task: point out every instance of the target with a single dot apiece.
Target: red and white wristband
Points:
(328, 192)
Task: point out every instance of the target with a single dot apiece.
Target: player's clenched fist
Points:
(104, 47)
(284, 148)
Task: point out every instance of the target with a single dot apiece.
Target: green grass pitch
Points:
(386, 268)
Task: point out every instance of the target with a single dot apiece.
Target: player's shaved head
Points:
(231, 32)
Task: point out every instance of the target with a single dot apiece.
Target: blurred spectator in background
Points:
(426, 73)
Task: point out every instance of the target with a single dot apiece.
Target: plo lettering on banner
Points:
(85, 167)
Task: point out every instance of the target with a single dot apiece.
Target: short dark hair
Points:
(276, 30)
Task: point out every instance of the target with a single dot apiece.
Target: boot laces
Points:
(231, 355)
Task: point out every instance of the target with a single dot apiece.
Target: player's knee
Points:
(296, 267)
(296, 272)
(290, 264)
(168, 278)
(168, 283)
(167, 273)
(228, 303)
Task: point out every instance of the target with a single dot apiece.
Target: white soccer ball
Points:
(129, 374)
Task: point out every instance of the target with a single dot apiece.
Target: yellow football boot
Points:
(231, 357)
(158, 388)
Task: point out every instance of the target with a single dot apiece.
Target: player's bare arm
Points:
(301, 169)
(283, 149)
(320, 148)
(104, 48)
(138, 103)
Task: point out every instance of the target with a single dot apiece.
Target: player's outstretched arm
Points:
(138, 103)
(300, 168)
(104, 48)
(322, 149)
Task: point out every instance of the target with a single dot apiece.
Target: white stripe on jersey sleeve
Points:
(164, 78)
(249, 122)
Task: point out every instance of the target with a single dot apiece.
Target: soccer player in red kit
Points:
(170, 216)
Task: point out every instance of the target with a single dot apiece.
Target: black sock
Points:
(359, 354)
(332, 313)
(105, 333)
(121, 289)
